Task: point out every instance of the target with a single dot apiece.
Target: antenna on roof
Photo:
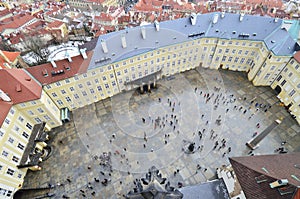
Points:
(193, 18)
(104, 46)
(215, 19)
(4, 96)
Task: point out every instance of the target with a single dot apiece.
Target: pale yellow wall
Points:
(84, 89)
(289, 81)
(14, 137)
(41, 110)
(270, 69)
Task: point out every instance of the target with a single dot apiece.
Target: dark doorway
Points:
(278, 89)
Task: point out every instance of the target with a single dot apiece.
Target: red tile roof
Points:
(4, 12)
(19, 86)
(15, 21)
(70, 69)
(55, 24)
(269, 167)
(103, 17)
(297, 56)
(4, 107)
(11, 56)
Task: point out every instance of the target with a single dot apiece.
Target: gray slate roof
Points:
(230, 26)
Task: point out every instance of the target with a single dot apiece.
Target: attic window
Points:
(27, 78)
(260, 179)
(156, 42)
(272, 41)
(233, 32)
(217, 30)
(18, 88)
(45, 73)
(67, 67)
(113, 54)
(174, 37)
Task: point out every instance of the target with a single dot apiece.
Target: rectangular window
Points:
(76, 96)
(15, 159)
(25, 135)
(279, 78)
(47, 117)
(40, 110)
(99, 88)
(84, 93)
(57, 83)
(292, 93)
(68, 99)
(80, 86)
(290, 74)
(10, 172)
(60, 102)
(283, 83)
(92, 90)
(11, 140)
(7, 121)
(54, 94)
(21, 146)
(30, 112)
(12, 111)
(267, 76)
(16, 128)
(20, 118)
(88, 83)
(38, 120)
(5, 153)
(29, 126)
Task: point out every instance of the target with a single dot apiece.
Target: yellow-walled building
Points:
(24, 106)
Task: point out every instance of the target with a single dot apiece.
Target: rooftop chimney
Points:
(4, 96)
(223, 14)
(215, 19)
(83, 53)
(143, 32)
(193, 18)
(53, 64)
(68, 56)
(242, 16)
(156, 24)
(123, 39)
(104, 46)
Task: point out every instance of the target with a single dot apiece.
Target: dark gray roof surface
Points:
(215, 189)
(227, 26)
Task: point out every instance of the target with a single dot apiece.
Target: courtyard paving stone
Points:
(115, 126)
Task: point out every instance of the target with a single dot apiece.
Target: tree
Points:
(36, 45)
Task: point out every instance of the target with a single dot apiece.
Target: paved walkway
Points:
(136, 133)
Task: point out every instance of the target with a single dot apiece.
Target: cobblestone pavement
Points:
(116, 126)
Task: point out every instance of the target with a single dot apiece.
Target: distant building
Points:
(137, 58)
